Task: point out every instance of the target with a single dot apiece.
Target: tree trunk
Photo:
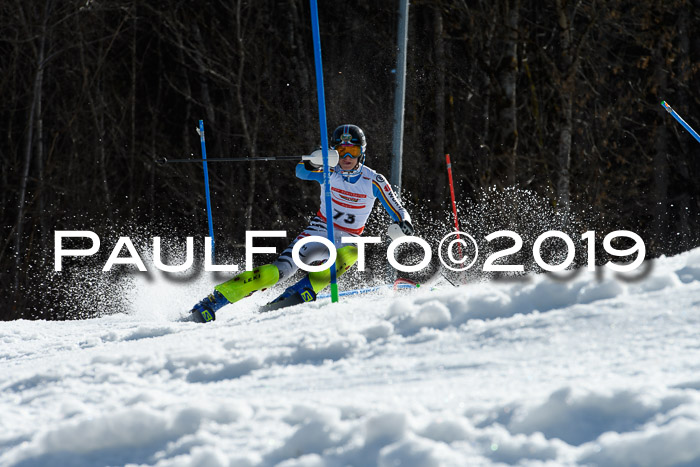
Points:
(132, 148)
(661, 154)
(508, 77)
(154, 134)
(484, 166)
(99, 120)
(249, 139)
(24, 179)
(566, 101)
(43, 216)
(685, 64)
(439, 74)
(206, 98)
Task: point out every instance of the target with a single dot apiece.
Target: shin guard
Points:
(306, 289)
(347, 256)
(248, 282)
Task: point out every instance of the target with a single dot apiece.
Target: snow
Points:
(595, 368)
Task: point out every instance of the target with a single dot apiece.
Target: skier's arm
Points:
(382, 190)
(306, 171)
(312, 165)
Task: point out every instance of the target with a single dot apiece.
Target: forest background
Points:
(558, 99)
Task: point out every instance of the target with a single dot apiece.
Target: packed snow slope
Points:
(588, 370)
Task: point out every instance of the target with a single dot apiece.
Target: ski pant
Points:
(284, 267)
(311, 252)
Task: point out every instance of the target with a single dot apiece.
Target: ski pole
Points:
(164, 160)
(668, 108)
(200, 130)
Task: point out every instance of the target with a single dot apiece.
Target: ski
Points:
(285, 301)
(365, 290)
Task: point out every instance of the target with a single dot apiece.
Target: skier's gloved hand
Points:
(399, 229)
(316, 158)
(406, 228)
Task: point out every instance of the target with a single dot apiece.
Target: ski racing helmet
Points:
(350, 135)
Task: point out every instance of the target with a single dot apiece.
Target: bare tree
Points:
(508, 78)
(35, 110)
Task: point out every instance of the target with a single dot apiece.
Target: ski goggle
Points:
(348, 151)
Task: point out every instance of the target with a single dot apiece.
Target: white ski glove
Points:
(316, 158)
(400, 229)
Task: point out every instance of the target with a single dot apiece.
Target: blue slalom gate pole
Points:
(200, 130)
(680, 120)
(324, 139)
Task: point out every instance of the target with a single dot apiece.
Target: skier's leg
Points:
(347, 256)
(307, 288)
(248, 282)
(309, 253)
(235, 289)
(260, 278)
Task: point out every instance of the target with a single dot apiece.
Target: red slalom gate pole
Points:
(454, 203)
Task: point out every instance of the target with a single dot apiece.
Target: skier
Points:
(354, 188)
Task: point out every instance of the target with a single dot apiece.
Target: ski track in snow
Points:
(588, 371)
